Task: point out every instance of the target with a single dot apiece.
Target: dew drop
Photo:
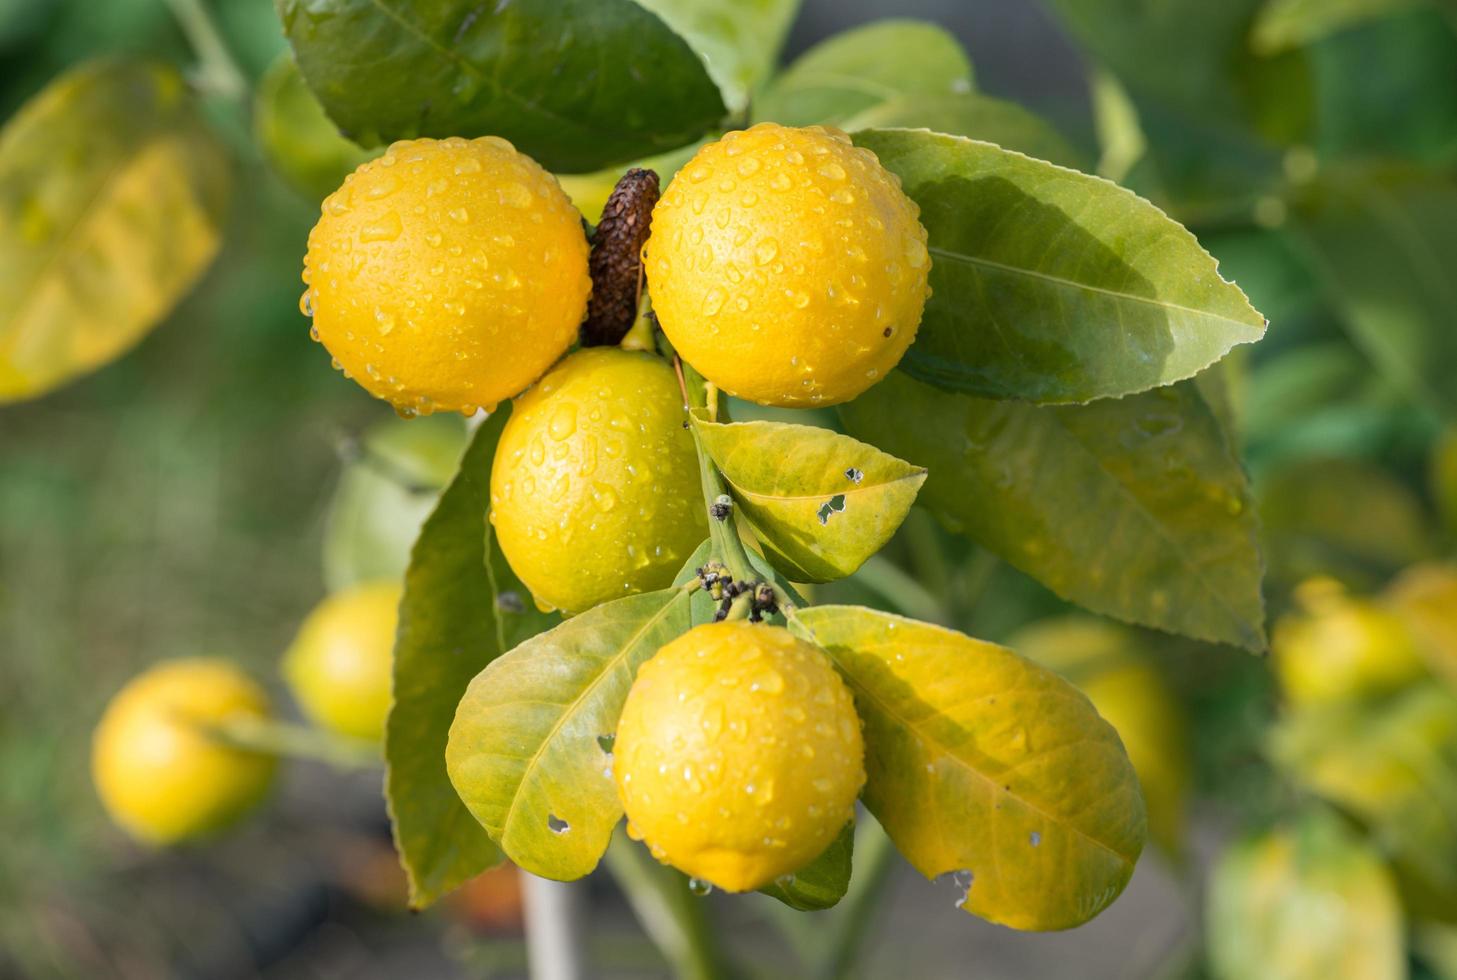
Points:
(699, 887)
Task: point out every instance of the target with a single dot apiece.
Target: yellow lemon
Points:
(738, 754)
(1341, 647)
(788, 266)
(447, 274)
(595, 490)
(158, 773)
(339, 666)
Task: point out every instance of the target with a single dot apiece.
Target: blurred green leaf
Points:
(530, 748)
(1340, 517)
(739, 40)
(297, 138)
(576, 84)
(1393, 766)
(1053, 286)
(1381, 245)
(1444, 478)
(1132, 507)
(463, 608)
(855, 70)
(112, 196)
(821, 883)
(976, 116)
(1309, 901)
(820, 502)
(1049, 821)
(385, 495)
(1285, 24)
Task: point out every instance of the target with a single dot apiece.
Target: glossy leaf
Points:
(1054, 286)
(821, 502)
(821, 883)
(1132, 507)
(982, 765)
(299, 140)
(852, 71)
(738, 39)
(1393, 766)
(112, 197)
(976, 116)
(576, 84)
(462, 608)
(1290, 23)
(1310, 901)
(530, 748)
(1425, 597)
(1382, 246)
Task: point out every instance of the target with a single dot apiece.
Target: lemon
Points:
(159, 775)
(787, 266)
(1342, 647)
(738, 754)
(339, 666)
(447, 274)
(595, 489)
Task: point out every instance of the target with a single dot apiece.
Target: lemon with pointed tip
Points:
(595, 488)
(339, 665)
(738, 754)
(788, 266)
(447, 274)
(159, 774)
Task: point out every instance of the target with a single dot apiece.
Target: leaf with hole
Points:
(112, 197)
(984, 766)
(1053, 286)
(820, 502)
(576, 84)
(530, 747)
(462, 608)
(1132, 507)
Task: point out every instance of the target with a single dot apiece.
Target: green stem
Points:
(217, 72)
(671, 915)
(725, 533)
(874, 859)
(295, 741)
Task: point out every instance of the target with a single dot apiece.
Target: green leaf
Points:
(530, 749)
(821, 883)
(576, 84)
(976, 116)
(739, 40)
(1382, 244)
(1285, 24)
(821, 502)
(300, 142)
(1131, 507)
(462, 608)
(1310, 901)
(1393, 766)
(886, 61)
(983, 765)
(112, 197)
(1054, 286)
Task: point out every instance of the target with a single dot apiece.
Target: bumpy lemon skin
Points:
(447, 274)
(1340, 647)
(788, 266)
(339, 665)
(159, 777)
(738, 754)
(595, 488)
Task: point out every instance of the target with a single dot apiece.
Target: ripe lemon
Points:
(738, 754)
(595, 490)
(1342, 647)
(447, 274)
(339, 666)
(158, 774)
(787, 266)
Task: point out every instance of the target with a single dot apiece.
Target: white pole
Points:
(555, 928)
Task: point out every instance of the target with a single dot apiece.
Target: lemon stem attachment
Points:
(277, 738)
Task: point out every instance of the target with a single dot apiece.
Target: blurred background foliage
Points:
(179, 501)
